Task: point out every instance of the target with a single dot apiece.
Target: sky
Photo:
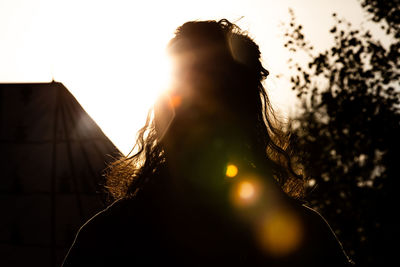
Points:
(111, 54)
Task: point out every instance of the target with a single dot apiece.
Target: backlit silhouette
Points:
(211, 182)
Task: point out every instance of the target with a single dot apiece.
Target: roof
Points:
(53, 158)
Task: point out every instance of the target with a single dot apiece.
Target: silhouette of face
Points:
(202, 123)
(194, 99)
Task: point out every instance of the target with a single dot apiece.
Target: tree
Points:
(347, 131)
(387, 11)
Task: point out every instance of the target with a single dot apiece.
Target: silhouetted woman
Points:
(212, 181)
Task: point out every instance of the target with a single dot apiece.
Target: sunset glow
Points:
(111, 54)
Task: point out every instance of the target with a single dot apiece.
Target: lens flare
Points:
(231, 171)
(246, 190)
(281, 233)
(175, 101)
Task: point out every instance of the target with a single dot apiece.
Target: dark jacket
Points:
(158, 228)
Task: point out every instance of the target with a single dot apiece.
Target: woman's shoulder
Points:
(321, 239)
(315, 220)
(109, 217)
(112, 227)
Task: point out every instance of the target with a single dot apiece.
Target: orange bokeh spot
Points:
(281, 233)
(246, 190)
(231, 171)
(175, 101)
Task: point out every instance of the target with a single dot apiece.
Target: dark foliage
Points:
(387, 11)
(348, 132)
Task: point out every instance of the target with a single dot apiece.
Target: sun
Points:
(116, 72)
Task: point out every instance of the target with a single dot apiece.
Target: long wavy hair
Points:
(127, 174)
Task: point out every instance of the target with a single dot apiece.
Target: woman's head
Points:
(216, 105)
(216, 84)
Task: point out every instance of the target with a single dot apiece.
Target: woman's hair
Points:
(128, 174)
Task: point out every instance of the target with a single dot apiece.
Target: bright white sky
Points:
(110, 54)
